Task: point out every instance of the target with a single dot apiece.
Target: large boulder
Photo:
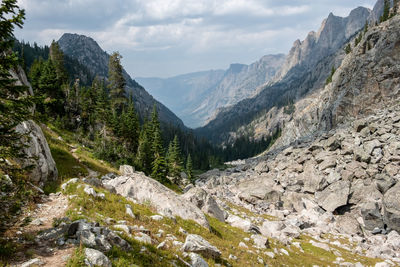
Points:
(197, 244)
(205, 202)
(370, 212)
(259, 190)
(37, 154)
(391, 205)
(143, 189)
(96, 258)
(334, 196)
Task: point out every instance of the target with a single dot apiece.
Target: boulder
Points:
(261, 167)
(126, 169)
(384, 182)
(96, 258)
(259, 190)
(243, 224)
(205, 202)
(334, 196)
(313, 181)
(37, 154)
(197, 260)
(391, 205)
(147, 190)
(197, 244)
(33, 263)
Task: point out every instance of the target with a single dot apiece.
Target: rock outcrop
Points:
(147, 190)
(37, 154)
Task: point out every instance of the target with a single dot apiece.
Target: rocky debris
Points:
(157, 217)
(144, 189)
(96, 258)
(197, 260)
(391, 205)
(37, 154)
(205, 202)
(142, 237)
(334, 196)
(33, 263)
(91, 192)
(128, 211)
(197, 244)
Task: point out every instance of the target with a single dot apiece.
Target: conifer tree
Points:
(144, 152)
(57, 58)
(159, 166)
(14, 103)
(116, 83)
(189, 168)
(174, 158)
(348, 48)
(386, 11)
(130, 127)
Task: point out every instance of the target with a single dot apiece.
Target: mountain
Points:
(305, 69)
(196, 97)
(87, 52)
(183, 92)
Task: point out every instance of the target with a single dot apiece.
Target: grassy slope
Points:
(223, 236)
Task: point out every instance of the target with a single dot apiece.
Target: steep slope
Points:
(305, 69)
(196, 99)
(89, 53)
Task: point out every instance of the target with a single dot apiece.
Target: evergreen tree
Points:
(144, 153)
(189, 168)
(366, 27)
(329, 79)
(175, 159)
(14, 103)
(57, 58)
(348, 48)
(159, 166)
(117, 83)
(386, 11)
(130, 127)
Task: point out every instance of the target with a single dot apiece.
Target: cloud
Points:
(166, 37)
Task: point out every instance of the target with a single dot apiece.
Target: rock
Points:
(239, 222)
(270, 254)
(391, 205)
(37, 154)
(187, 188)
(327, 163)
(243, 245)
(123, 227)
(371, 215)
(126, 170)
(143, 238)
(313, 181)
(232, 257)
(71, 181)
(128, 211)
(259, 190)
(334, 196)
(96, 258)
(371, 145)
(157, 217)
(162, 245)
(197, 244)
(93, 181)
(91, 192)
(33, 263)
(359, 125)
(393, 240)
(142, 189)
(197, 260)
(37, 222)
(376, 231)
(333, 143)
(361, 156)
(384, 182)
(261, 167)
(205, 202)
(260, 241)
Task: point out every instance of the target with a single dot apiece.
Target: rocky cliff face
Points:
(306, 68)
(199, 99)
(89, 53)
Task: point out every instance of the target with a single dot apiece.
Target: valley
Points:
(293, 160)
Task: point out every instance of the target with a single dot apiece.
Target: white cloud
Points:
(183, 34)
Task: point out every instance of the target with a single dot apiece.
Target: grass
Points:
(78, 258)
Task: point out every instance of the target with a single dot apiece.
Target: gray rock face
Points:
(205, 202)
(38, 154)
(146, 190)
(391, 204)
(334, 196)
(197, 244)
(96, 258)
(88, 52)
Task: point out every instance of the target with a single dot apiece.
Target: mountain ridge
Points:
(88, 52)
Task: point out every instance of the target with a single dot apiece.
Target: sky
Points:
(164, 38)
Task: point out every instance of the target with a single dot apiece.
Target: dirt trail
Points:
(49, 209)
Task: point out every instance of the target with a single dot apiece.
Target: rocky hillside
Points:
(89, 53)
(199, 99)
(306, 68)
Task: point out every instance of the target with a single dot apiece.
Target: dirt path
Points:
(41, 218)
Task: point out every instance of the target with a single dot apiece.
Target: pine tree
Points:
(159, 166)
(57, 58)
(366, 27)
(175, 159)
(14, 103)
(116, 82)
(144, 153)
(386, 11)
(130, 127)
(348, 48)
(189, 168)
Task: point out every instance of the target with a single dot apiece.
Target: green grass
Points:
(77, 259)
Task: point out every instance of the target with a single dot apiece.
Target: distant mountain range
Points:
(197, 97)
(87, 52)
(305, 69)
